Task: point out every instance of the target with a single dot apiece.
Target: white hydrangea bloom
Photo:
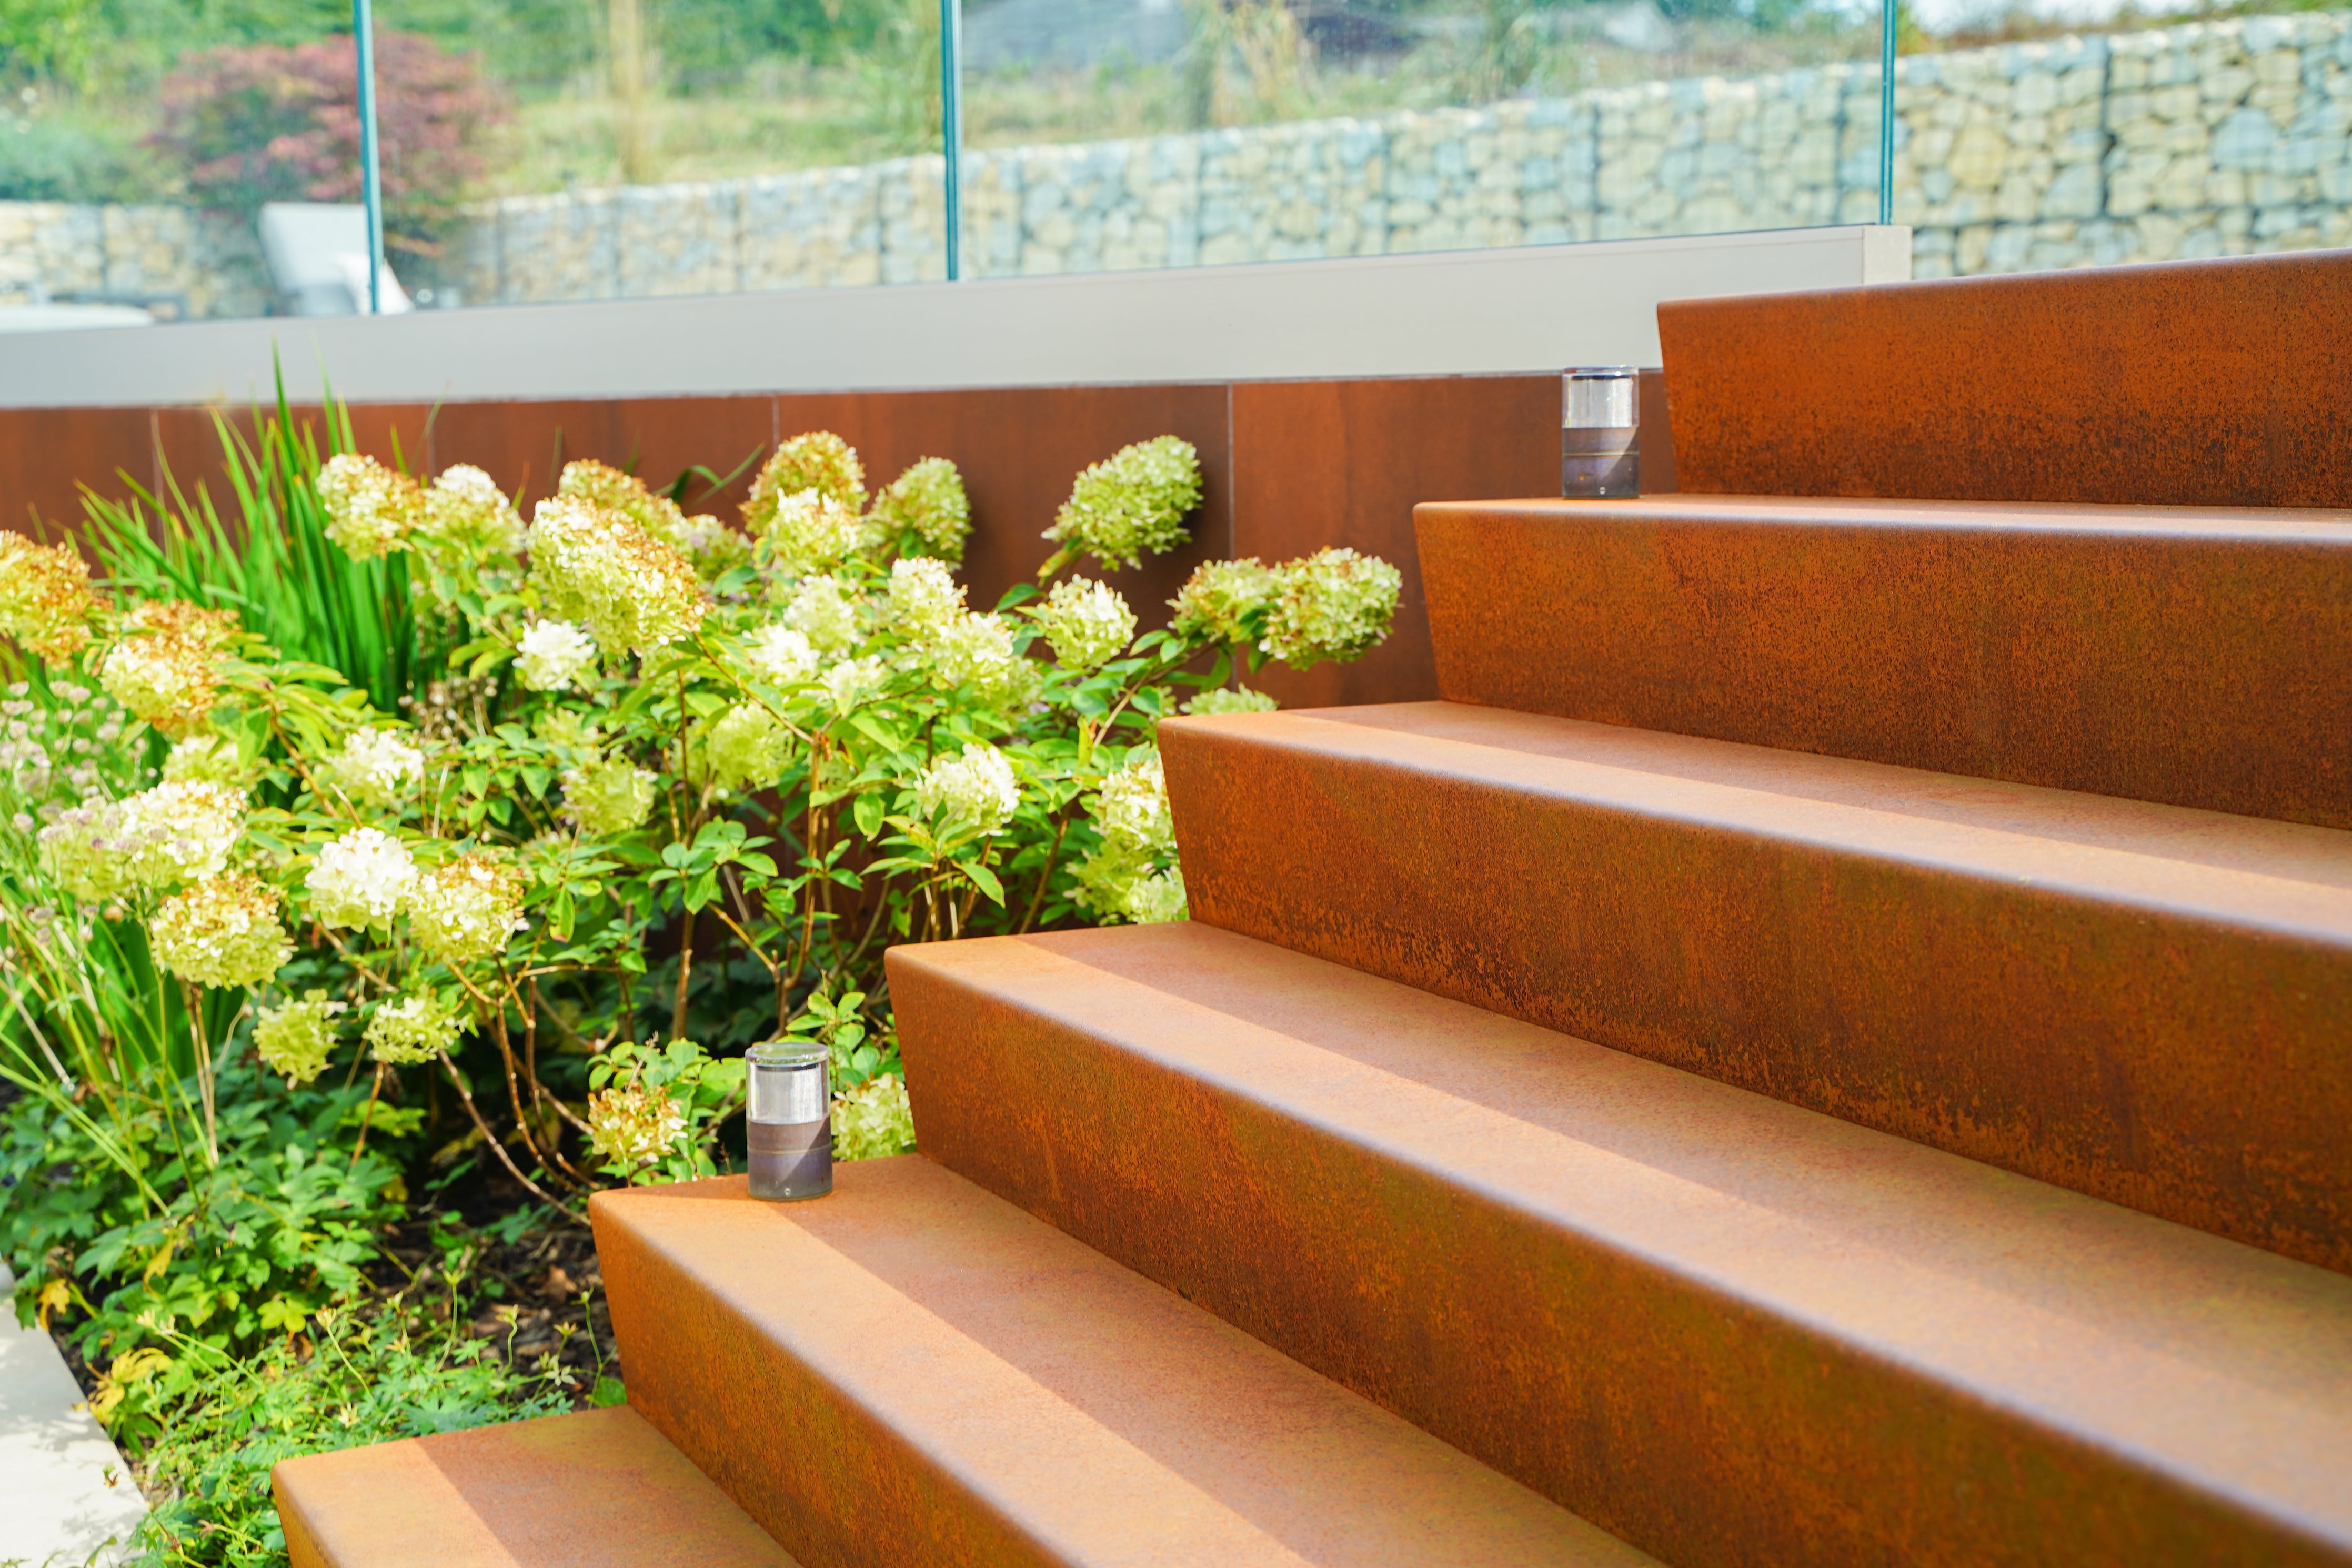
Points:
(1086, 622)
(1132, 811)
(976, 649)
(552, 655)
(924, 595)
(375, 768)
(180, 831)
(370, 510)
(826, 610)
(1334, 604)
(783, 654)
(298, 1038)
(975, 786)
(221, 933)
(85, 849)
(636, 592)
(363, 878)
(467, 908)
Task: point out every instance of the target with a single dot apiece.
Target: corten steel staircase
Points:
(1832, 1045)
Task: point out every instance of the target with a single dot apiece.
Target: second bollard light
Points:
(790, 1120)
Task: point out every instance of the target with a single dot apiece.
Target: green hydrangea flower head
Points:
(609, 796)
(222, 932)
(415, 1027)
(748, 749)
(818, 460)
(1219, 595)
(1133, 501)
(1231, 699)
(1085, 622)
(872, 1120)
(926, 503)
(1333, 605)
(298, 1038)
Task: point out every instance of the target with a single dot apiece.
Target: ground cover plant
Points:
(382, 871)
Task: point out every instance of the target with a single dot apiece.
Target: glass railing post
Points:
(1887, 111)
(951, 129)
(371, 175)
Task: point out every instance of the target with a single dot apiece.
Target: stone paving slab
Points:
(66, 1497)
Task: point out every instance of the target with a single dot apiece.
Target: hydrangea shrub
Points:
(668, 752)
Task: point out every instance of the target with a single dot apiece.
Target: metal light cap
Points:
(1600, 432)
(789, 1108)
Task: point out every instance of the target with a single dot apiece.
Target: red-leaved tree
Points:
(268, 123)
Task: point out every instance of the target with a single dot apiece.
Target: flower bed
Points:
(377, 859)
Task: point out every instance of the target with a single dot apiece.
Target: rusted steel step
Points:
(1727, 1329)
(2220, 383)
(597, 1489)
(2147, 1003)
(2195, 657)
(912, 1371)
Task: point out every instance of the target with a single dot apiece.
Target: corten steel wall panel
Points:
(525, 445)
(595, 1486)
(1019, 450)
(47, 455)
(1317, 463)
(2185, 384)
(911, 1371)
(1730, 1329)
(1345, 462)
(2134, 1001)
(2199, 658)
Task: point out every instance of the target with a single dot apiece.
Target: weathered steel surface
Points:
(597, 1489)
(2200, 658)
(914, 1372)
(1731, 1330)
(2150, 1005)
(2190, 384)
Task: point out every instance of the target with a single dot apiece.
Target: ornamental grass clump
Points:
(586, 808)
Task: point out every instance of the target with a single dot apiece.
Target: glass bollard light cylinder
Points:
(1600, 432)
(790, 1119)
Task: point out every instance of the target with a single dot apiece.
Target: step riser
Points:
(2190, 384)
(815, 1470)
(2192, 1070)
(1677, 1416)
(2157, 664)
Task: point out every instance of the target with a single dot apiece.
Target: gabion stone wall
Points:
(186, 261)
(2201, 140)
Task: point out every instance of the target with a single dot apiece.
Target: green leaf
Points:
(867, 811)
(608, 1392)
(985, 879)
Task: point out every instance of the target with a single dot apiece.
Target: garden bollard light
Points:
(790, 1119)
(1600, 432)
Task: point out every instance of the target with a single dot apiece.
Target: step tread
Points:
(2284, 525)
(596, 1486)
(2224, 1369)
(2141, 1002)
(1103, 1419)
(2170, 654)
(2288, 877)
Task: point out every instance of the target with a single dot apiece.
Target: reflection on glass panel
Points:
(662, 147)
(1117, 133)
(2034, 135)
(142, 143)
